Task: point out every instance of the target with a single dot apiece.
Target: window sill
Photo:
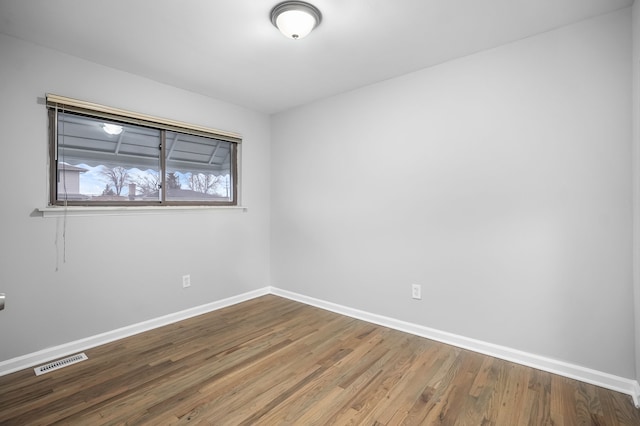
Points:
(129, 210)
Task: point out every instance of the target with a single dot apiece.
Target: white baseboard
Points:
(587, 375)
(46, 355)
(583, 374)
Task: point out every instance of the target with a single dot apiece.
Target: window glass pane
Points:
(198, 168)
(105, 161)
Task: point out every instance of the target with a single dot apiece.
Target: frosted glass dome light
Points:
(295, 19)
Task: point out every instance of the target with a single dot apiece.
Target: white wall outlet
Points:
(186, 281)
(416, 291)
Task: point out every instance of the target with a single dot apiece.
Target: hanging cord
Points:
(64, 190)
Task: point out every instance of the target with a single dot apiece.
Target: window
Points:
(101, 156)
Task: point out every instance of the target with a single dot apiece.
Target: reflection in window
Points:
(104, 162)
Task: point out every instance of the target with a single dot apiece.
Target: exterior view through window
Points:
(99, 161)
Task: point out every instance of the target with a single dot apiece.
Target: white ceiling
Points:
(228, 49)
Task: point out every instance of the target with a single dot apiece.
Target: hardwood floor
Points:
(271, 361)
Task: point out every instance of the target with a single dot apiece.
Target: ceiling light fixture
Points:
(295, 19)
(112, 129)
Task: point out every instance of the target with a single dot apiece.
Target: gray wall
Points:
(119, 270)
(500, 182)
(636, 176)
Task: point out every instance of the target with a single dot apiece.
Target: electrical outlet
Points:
(186, 281)
(416, 291)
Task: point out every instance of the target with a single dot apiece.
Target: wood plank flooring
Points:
(272, 361)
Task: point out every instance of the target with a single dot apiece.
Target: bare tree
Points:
(205, 183)
(148, 184)
(117, 176)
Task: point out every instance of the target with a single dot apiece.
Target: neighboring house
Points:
(69, 181)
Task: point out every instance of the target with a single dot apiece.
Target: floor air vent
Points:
(56, 365)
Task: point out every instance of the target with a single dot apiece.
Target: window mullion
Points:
(53, 155)
(163, 163)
